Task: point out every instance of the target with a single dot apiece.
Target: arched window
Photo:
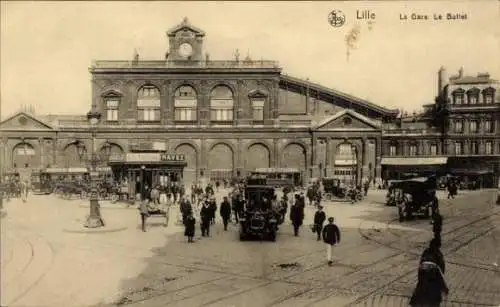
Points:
(185, 103)
(148, 103)
(111, 105)
(221, 104)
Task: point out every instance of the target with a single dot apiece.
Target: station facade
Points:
(224, 118)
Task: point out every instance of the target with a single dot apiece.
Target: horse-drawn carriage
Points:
(259, 217)
(41, 182)
(413, 197)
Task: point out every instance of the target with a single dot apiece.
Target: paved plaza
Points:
(49, 259)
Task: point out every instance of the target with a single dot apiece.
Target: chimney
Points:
(442, 80)
(461, 72)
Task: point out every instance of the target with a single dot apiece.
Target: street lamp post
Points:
(94, 220)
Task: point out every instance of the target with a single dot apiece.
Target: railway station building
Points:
(190, 116)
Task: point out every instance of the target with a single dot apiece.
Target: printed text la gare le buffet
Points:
(447, 16)
(369, 15)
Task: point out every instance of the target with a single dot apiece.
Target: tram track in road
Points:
(245, 274)
(266, 281)
(448, 252)
(309, 289)
(403, 251)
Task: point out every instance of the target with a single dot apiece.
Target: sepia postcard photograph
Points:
(250, 153)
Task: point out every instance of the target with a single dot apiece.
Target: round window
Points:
(22, 120)
(347, 121)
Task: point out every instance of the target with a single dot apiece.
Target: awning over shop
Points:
(414, 161)
(149, 158)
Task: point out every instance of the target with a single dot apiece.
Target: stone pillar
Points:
(239, 157)
(237, 114)
(366, 158)
(167, 104)
(378, 157)
(276, 156)
(3, 164)
(327, 156)
(203, 158)
(204, 105)
(41, 145)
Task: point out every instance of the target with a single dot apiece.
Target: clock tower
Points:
(185, 42)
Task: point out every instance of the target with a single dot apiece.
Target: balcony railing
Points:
(262, 64)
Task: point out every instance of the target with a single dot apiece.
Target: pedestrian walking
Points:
(437, 226)
(225, 212)
(144, 212)
(205, 216)
(189, 229)
(319, 219)
(213, 209)
(186, 209)
(431, 281)
(296, 216)
(24, 190)
(331, 236)
(237, 206)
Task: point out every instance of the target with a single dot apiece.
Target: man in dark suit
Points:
(296, 216)
(331, 236)
(319, 219)
(225, 212)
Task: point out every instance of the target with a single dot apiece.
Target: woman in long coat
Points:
(189, 228)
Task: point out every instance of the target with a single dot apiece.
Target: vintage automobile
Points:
(259, 219)
(413, 197)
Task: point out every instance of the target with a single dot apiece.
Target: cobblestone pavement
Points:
(375, 264)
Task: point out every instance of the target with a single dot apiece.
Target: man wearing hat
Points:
(319, 219)
(331, 236)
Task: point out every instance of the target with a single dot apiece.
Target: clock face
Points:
(185, 50)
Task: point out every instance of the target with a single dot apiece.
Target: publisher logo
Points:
(336, 18)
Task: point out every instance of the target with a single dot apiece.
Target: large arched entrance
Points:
(345, 163)
(221, 162)
(189, 172)
(25, 156)
(71, 157)
(257, 156)
(294, 156)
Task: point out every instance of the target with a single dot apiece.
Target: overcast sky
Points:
(47, 47)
